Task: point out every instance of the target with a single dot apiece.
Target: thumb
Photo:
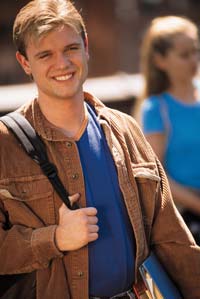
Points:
(73, 202)
(74, 199)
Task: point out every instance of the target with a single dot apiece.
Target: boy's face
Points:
(58, 63)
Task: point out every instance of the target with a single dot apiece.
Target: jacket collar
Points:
(45, 129)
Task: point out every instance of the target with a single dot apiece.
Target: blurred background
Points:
(115, 29)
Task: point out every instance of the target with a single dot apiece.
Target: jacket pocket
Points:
(29, 201)
(148, 183)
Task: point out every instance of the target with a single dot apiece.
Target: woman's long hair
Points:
(159, 39)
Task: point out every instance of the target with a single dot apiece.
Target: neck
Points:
(185, 92)
(67, 115)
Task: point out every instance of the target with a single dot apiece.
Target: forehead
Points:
(185, 40)
(60, 36)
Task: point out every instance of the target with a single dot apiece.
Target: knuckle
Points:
(84, 220)
(81, 212)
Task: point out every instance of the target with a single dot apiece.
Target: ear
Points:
(23, 61)
(86, 47)
(160, 61)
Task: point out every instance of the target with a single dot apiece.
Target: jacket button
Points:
(75, 176)
(69, 144)
(80, 273)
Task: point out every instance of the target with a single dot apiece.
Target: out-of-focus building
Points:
(115, 29)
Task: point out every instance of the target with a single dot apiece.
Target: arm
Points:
(182, 195)
(25, 249)
(164, 227)
(35, 248)
(158, 143)
(165, 230)
(174, 243)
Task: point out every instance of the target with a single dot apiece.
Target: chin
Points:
(68, 96)
(64, 95)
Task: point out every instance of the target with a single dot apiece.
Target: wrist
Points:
(57, 238)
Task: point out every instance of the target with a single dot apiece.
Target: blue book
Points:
(157, 281)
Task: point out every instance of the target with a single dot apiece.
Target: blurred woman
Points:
(170, 113)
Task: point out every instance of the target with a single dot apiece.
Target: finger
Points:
(92, 220)
(90, 211)
(93, 229)
(93, 237)
(74, 198)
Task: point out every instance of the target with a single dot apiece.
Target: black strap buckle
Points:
(49, 169)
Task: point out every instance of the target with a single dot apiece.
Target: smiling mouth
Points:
(63, 78)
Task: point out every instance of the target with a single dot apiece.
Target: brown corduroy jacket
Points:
(28, 200)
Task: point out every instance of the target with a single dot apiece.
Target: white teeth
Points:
(63, 78)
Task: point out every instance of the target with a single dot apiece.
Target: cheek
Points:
(183, 69)
(82, 62)
(39, 69)
(38, 74)
(180, 65)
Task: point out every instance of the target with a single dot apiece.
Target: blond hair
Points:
(159, 39)
(39, 17)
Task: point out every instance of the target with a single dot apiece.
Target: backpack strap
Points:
(35, 148)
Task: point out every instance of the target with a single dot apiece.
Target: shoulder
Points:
(120, 119)
(151, 104)
(152, 114)
(5, 133)
(8, 144)
(7, 140)
(126, 129)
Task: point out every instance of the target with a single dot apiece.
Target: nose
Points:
(62, 61)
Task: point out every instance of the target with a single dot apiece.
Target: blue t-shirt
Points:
(112, 255)
(181, 124)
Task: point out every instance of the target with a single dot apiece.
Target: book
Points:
(157, 282)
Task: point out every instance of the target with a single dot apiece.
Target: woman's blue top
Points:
(181, 124)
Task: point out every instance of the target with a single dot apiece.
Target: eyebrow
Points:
(45, 52)
(77, 44)
(37, 55)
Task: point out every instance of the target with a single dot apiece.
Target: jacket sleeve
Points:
(174, 243)
(26, 241)
(24, 249)
(166, 231)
